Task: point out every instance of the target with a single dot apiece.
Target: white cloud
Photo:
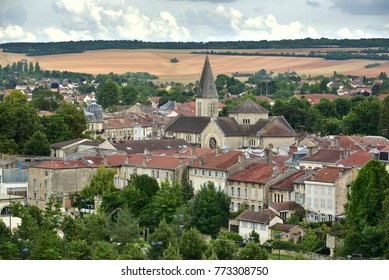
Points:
(14, 33)
(56, 34)
(386, 25)
(355, 34)
(116, 20)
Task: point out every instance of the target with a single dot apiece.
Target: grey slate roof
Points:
(229, 126)
(138, 146)
(207, 86)
(188, 124)
(248, 107)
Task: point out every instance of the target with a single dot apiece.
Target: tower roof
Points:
(248, 107)
(207, 86)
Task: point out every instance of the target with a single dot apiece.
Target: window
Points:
(252, 193)
(216, 174)
(323, 217)
(203, 172)
(246, 121)
(282, 198)
(246, 193)
(308, 189)
(238, 206)
(323, 190)
(315, 202)
(322, 203)
(244, 224)
(252, 207)
(308, 202)
(212, 143)
(262, 226)
(329, 191)
(253, 225)
(157, 174)
(153, 173)
(283, 214)
(329, 203)
(238, 192)
(210, 173)
(232, 191)
(232, 207)
(316, 189)
(45, 197)
(46, 184)
(330, 218)
(167, 175)
(35, 196)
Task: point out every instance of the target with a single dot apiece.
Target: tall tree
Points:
(192, 245)
(108, 94)
(365, 212)
(383, 125)
(186, 186)
(125, 229)
(165, 234)
(74, 117)
(211, 209)
(252, 251)
(223, 249)
(16, 97)
(47, 100)
(55, 128)
(37, 145)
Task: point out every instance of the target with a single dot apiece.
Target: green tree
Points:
(102, 183)
(343, 106)
(165, 234)
(171, 253)
(211, 209)
(74, 117)
(192, 245)
(125, 229)
(55, 128)
(47, 100)
(186, 186)
(326, 108)
(252, 251)
(104, 250)
(16, 97)
(365, 211)
(311, 242)
(38, 145)
(223, 249)
(108, 94)
(37, 68)
(383, 125)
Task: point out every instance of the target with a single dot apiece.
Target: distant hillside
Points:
(34, 49)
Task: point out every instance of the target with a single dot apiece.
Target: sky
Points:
(191, 20)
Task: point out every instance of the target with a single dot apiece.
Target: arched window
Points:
(212, 143)
(5, 211)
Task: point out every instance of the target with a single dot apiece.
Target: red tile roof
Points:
(328, 174)
(324, 155)
(287, 183)
(258, 217)
(61, 164)
(254, 173)
(167, 162)
(280, 160)
(356, 159)
(283, 227)
(315, 98)
(281, 206)
(221, 161)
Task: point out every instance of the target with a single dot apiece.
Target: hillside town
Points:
(282, 182)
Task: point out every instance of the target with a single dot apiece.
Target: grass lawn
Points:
(283, 257)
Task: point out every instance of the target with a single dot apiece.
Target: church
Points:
(247, 125)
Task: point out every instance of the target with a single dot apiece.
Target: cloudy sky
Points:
(191, 20)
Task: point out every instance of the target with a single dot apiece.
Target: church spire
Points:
(207, 87)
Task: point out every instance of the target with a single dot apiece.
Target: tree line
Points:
(34, 49)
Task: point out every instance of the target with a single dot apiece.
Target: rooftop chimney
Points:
(241, 162)
(269, 155)
(105, 160)
(126, 159)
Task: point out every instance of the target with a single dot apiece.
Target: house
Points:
(216, 166)
(321, 158)
(282, 190)
(247, 124)
(58, 178)
(284, 209)
(326, 193)
(288, 232)
(70, 147)
(260, 222)
(357, 159)
(250, 186)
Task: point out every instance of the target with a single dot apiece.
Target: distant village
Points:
(264, 166)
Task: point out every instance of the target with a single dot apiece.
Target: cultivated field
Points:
(189, 67)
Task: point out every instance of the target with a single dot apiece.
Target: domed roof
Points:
(96, 110)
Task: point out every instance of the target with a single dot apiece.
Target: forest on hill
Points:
(40, 48)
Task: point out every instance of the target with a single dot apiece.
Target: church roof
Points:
(207, 86)
(229, 126)
(278, 127)
(188, 124)
(248, 107)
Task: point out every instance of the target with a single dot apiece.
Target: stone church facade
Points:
(247, 125)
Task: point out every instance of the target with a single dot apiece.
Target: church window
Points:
(212, 143)
(212, 109)
(246, 121)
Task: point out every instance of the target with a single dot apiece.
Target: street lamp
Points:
(178, 217)
(278, 235)
(157, 245)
